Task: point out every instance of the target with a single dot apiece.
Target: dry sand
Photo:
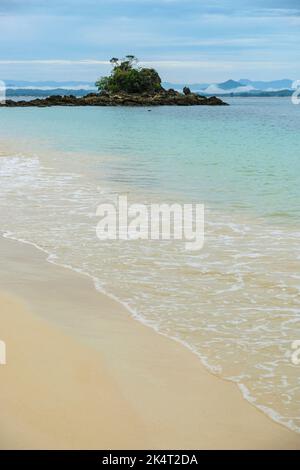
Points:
(81, 373)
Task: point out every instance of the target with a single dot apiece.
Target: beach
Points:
(116, 384)
(155, 346)
(149, 228)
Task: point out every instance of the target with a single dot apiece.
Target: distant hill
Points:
(230, 85)
(284, 84)
(242, 87)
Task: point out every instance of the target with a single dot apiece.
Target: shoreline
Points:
(133, 315)
(139, 365)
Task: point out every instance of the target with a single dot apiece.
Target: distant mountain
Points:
(239, 87)
(242, 87)
(230, 85)
(285, 84)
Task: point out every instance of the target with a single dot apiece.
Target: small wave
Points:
(218, 303)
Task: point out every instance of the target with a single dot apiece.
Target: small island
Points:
(127, 85)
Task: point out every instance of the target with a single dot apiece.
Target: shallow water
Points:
(235, 303)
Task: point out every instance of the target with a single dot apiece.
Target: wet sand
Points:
(82, 373)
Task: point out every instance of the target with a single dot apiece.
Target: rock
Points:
(161, 98)
(186, 91)
(214, 101)
(92, 95)
(172, 92)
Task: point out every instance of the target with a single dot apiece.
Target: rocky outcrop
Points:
(186, 90)
(163, 98)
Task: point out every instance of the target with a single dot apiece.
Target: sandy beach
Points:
(123, 387)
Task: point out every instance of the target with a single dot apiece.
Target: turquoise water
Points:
(243, 156)
(236, 303)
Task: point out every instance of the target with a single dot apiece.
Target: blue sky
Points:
(186, 40)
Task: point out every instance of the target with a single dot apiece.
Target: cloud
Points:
(175, 34)
(55, 62)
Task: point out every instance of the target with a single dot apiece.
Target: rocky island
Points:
(127, 85)
(166, 98)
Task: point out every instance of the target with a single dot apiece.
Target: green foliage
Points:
(127, 78)
(102, 83)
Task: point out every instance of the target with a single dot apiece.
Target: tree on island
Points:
(127, 77)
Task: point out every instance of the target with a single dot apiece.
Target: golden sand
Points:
(81, 373)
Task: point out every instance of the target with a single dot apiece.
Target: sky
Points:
(187, 41)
